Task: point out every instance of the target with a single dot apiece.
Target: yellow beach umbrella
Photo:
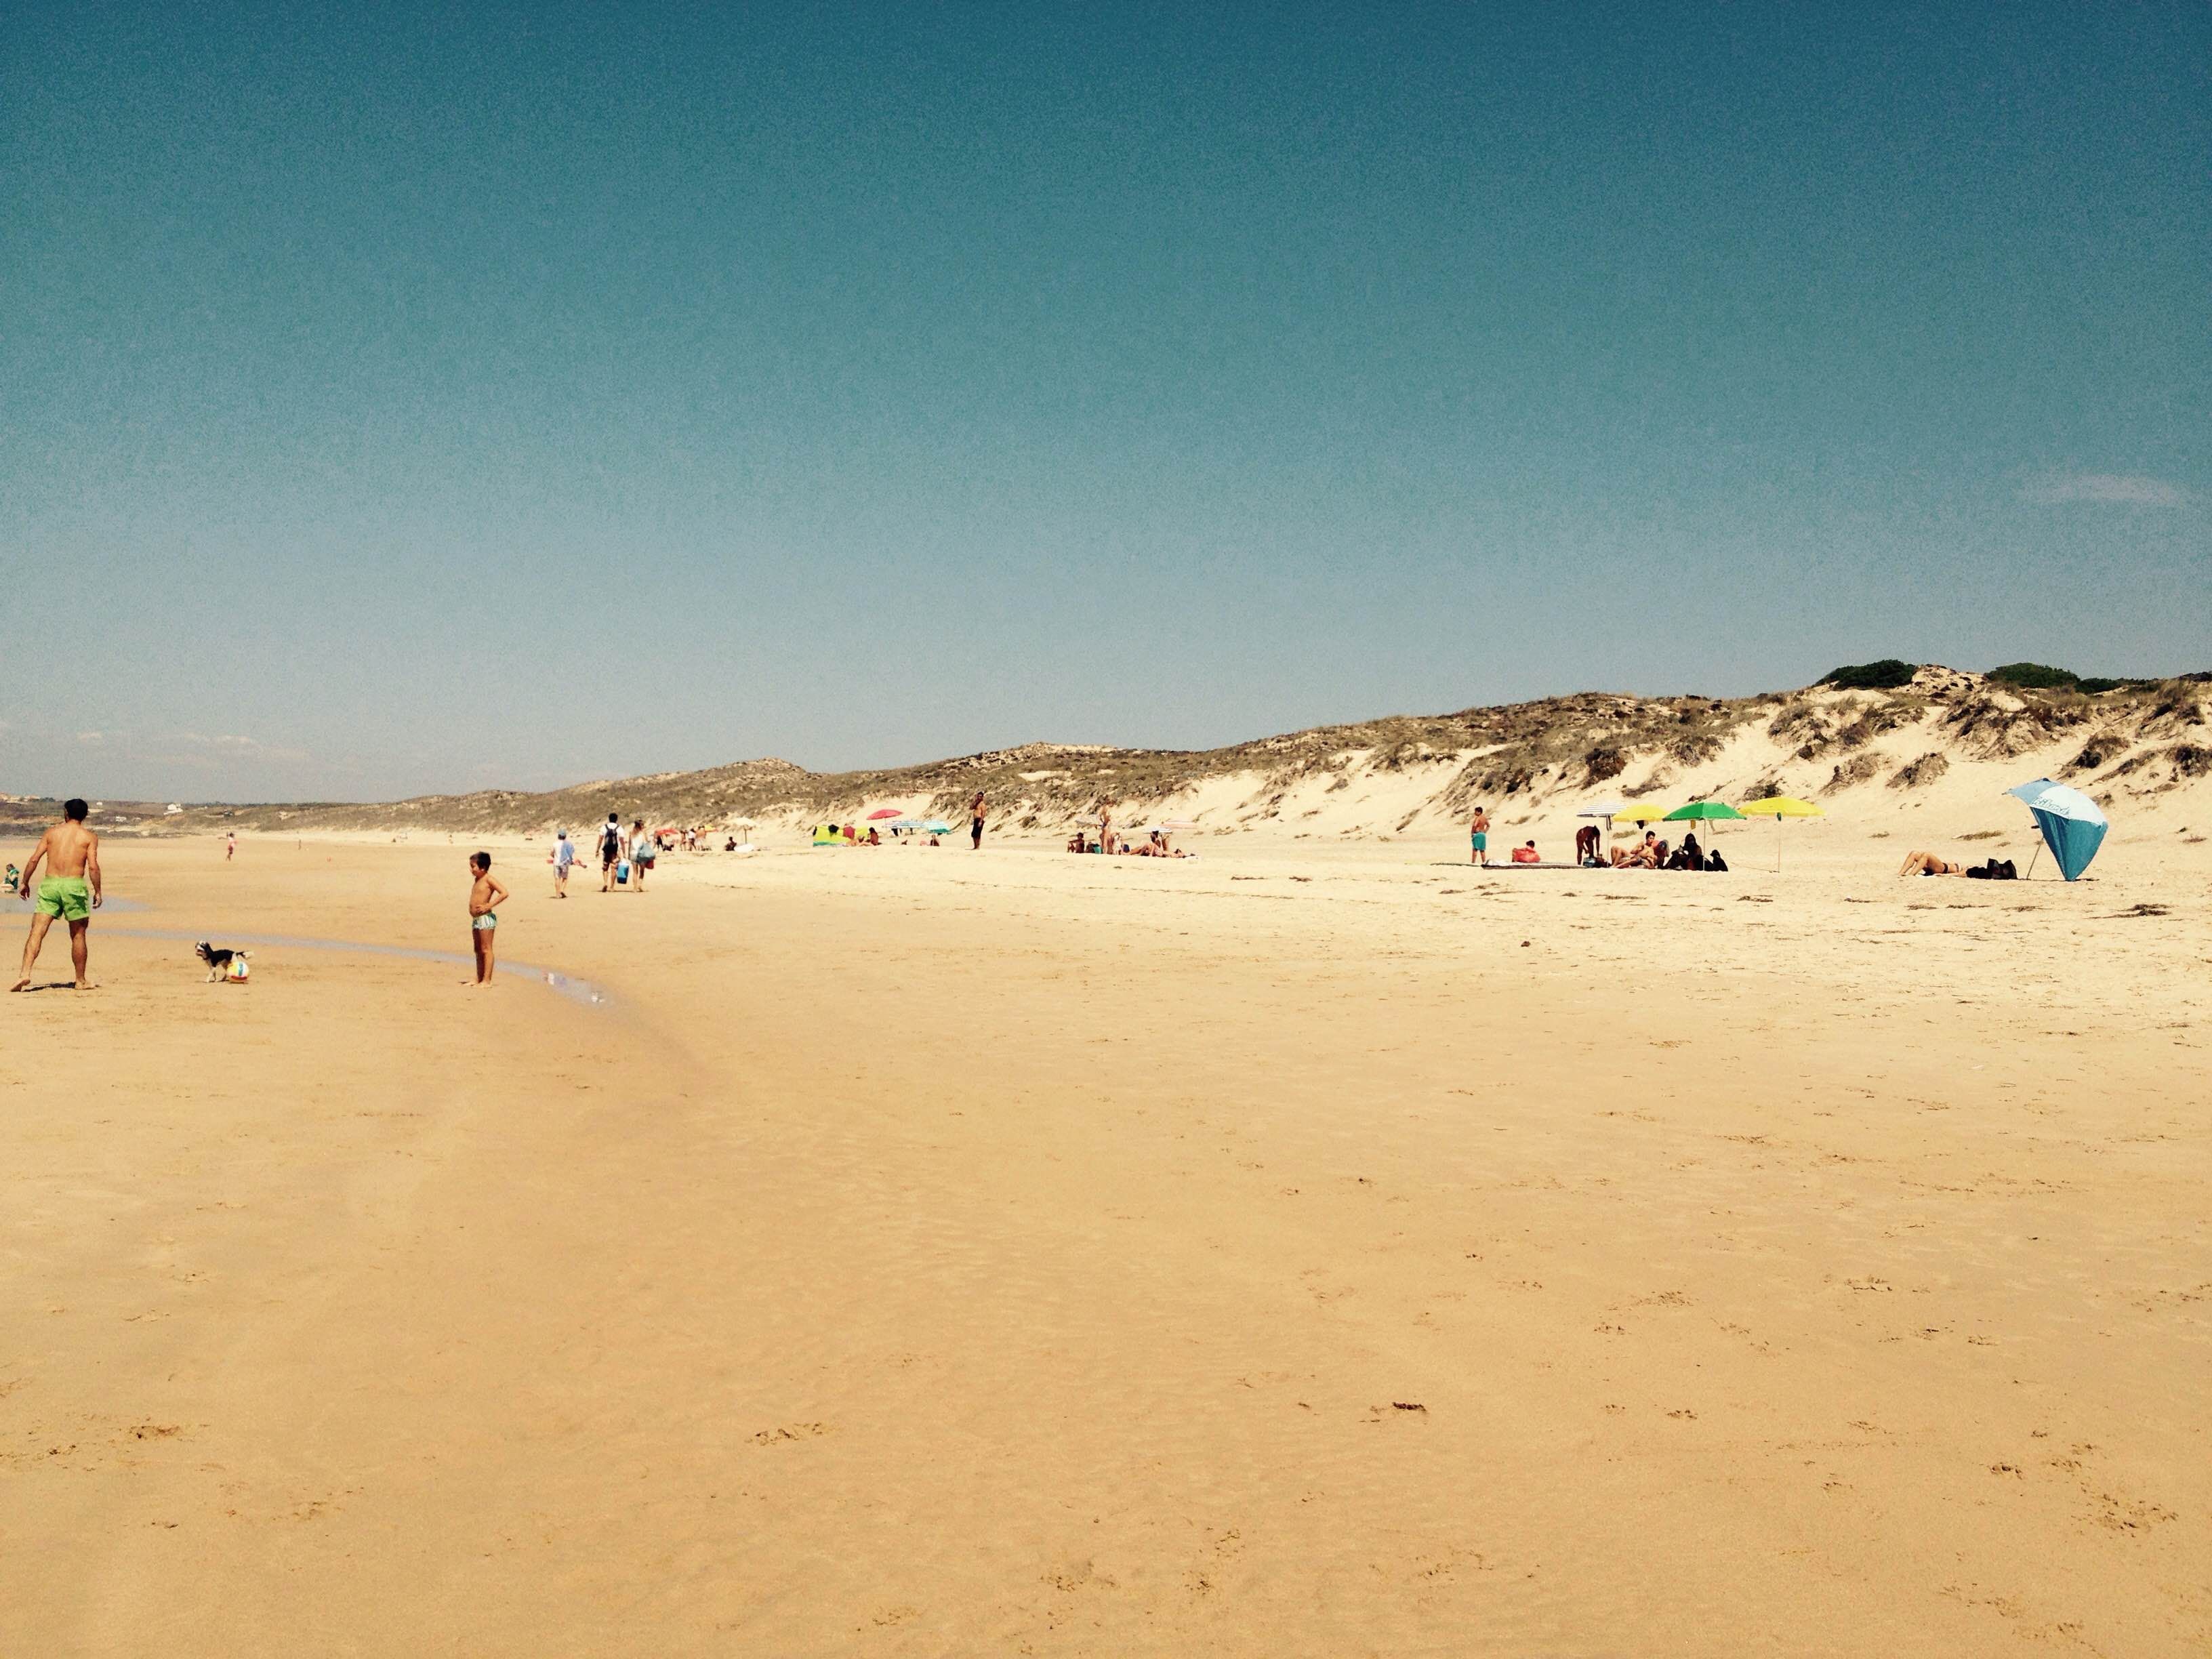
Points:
(1779, 807)
(1641, 814)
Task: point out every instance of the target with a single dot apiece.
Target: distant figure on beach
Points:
(1715, 863)
(1479, 837)
(1928, 864)
(641, 850)
(977, 812)
(1527, 854)
(71, 890)
(14, 879)
(1106, 826)
(230, 847)
(564, 860)
(1586, 839)
(485, 897)
(611, 852)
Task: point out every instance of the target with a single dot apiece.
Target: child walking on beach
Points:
(485, 897)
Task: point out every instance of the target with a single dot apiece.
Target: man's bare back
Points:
(70, 850)
(68, 890)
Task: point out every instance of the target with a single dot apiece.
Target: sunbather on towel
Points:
(1928, 864)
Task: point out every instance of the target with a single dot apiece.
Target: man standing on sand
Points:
(485, 897)
(564, 860)
(1479, 834)
(71, 890)
(611, 852)
(976, 811)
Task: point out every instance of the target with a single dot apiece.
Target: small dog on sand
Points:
(218, 962)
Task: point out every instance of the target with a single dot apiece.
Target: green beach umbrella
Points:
(1702, 811)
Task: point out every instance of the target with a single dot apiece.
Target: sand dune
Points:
(1946, 737)
(1306, 1249)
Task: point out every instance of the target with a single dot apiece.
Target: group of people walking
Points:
(626, 856)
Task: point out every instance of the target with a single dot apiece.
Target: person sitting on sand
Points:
(14, 879)
(1714, 863)
(1527, 854)
(1928, 864)
(1649, 856)
(1691, 851)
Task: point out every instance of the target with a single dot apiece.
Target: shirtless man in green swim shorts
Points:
(71, 890)
(484, 898)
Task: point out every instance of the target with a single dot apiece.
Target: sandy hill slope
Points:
(1947, 738)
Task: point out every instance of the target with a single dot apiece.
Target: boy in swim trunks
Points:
(70, 891)
(1479, 837)
(484, 898)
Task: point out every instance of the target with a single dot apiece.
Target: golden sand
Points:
(1277, 1253)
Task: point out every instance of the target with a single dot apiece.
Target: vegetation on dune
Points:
(2042, 677)
(1522, 756)
(2035, 676)
(1887, 675)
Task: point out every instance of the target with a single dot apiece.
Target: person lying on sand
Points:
(1928, 864)
(1649, 856)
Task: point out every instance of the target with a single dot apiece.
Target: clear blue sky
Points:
(396, 398)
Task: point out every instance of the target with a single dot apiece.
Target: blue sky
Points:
(400, 398)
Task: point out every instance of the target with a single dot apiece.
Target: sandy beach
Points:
(1296, 1249)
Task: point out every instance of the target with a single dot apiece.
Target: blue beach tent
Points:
(2073, 825)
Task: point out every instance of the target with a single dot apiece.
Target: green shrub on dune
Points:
(2036, 677)
(1884, 676)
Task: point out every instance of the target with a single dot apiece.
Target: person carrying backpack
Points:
(611, 850)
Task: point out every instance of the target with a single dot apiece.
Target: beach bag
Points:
(622, 873)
